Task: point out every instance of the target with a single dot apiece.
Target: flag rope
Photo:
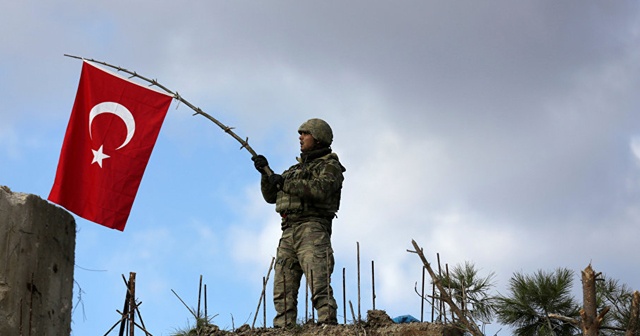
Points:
(178, 97)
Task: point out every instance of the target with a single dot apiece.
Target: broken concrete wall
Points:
(37, 244)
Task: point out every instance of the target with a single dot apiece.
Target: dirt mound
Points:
(378, 324)
(378, 319)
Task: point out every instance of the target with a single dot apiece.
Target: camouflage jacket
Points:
(312, 187)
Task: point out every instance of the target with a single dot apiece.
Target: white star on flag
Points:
(98, 156)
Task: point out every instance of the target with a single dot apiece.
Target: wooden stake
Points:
(130, 310)
(132, 302)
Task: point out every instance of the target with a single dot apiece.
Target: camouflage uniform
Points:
(308, 202)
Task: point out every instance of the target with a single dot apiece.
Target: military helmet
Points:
(319, 130)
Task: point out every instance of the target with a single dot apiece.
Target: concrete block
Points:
(37, 256)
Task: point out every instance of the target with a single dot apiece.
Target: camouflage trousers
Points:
(304, 248)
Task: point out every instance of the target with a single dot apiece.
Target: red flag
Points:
(113, 127)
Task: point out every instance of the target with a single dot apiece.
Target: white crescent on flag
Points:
(120, 111)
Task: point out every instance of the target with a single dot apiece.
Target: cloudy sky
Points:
(505, 133)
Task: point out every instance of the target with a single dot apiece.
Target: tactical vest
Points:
(312, 188)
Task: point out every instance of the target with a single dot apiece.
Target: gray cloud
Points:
(503, 133)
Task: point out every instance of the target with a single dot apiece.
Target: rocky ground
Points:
(378, 323)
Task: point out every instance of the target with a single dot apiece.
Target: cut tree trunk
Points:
(632, 328)
(591, 320)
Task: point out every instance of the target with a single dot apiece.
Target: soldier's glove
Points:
(276, 180)
(259, 161)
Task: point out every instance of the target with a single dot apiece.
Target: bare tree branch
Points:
(563, 318)
(472, 327)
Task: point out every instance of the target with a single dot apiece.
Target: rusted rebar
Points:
(263, 293)
(264, 304)
(433, 301)
(199, 297)
(446, 266)
(440, 302)
(206, 313)
(373, 284)
(358, 271)
(344, 294)
(422, 298)
(353, 314)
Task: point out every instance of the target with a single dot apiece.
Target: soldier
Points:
(307, 197)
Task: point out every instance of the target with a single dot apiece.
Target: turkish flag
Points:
(113, 127)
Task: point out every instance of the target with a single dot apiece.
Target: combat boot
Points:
(327, 315)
